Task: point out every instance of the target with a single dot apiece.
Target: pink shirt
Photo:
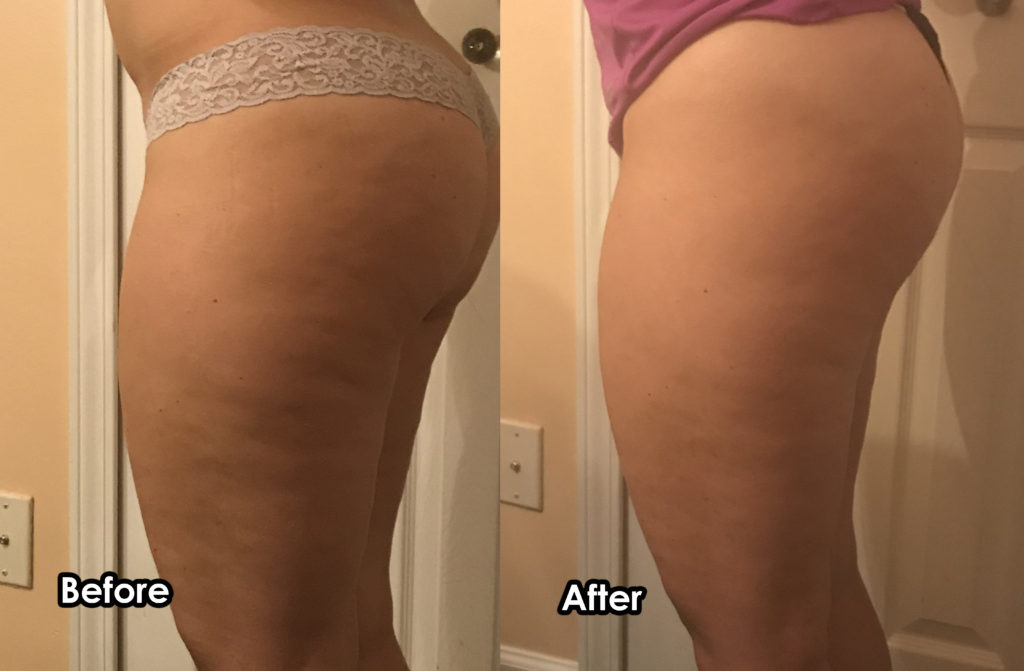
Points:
(636, 39)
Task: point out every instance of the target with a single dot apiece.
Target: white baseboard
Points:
(518, 659)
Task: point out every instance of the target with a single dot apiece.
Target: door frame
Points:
(601, 492)
(93, 250)
(94, 426)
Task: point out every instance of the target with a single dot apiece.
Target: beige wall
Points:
(33, 314)
(538, 355)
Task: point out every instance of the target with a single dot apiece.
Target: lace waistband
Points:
(313, 60)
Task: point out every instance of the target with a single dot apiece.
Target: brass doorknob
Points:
(994, 7)
(479, 45)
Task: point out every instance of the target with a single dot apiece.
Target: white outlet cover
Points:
(16, 554)
(521, 448)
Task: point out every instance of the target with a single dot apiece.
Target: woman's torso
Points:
(151, 37)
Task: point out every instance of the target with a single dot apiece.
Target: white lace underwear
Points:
(313, 60)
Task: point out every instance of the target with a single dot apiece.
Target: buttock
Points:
(311, 60)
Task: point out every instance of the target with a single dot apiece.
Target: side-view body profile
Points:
(321, 191)
(784, 166)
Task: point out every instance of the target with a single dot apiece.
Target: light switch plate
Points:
(521, 483)
(16, 551)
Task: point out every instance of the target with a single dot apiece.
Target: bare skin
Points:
(767, 211)
(277, 322)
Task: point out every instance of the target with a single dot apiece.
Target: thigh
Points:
(377, 645)
(275, 268)
(253, 427)
(731, 397)
(844, 560)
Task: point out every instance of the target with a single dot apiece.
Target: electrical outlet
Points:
(16, 539)
(521, 451)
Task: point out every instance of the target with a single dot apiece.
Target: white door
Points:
(444, 569)
(939, 506)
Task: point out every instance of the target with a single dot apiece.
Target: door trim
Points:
(601, 493)
(93, 251)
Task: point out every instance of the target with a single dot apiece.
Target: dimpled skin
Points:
(636, 39)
